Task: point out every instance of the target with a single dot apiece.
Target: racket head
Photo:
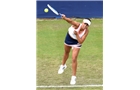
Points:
(53, 10)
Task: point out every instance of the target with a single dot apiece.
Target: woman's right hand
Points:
(63, 16)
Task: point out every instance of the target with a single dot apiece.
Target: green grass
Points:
(50, 42)
(85, 88)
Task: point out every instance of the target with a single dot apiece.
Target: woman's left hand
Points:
(75, 32)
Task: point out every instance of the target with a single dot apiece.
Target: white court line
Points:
(66, 86)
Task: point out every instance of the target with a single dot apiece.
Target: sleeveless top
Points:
(72, 29)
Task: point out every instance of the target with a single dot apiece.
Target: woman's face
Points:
(84, 26)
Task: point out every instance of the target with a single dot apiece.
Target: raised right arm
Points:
(72, 22)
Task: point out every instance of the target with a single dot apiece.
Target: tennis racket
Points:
(53, 10)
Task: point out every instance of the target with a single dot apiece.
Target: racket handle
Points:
(60, 14)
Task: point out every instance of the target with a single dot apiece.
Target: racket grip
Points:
(60, 14)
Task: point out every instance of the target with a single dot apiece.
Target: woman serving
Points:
(76, 35)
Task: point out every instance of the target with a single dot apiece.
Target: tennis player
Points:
(76, 35)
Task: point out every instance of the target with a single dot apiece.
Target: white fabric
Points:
(72, 29)
(74, 46)
(87, 21)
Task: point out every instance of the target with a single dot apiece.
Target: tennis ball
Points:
(46, 10)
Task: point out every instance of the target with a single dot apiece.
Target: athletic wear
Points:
(72, 29)
(87, 21)
(73, 80)
(61, 69)
(71, 39)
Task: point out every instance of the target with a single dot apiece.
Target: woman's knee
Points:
(74, 59)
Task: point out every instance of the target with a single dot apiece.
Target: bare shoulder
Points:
(86, 33)
(87, 30)
(75, 24)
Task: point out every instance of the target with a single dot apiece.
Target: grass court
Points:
(50, 48)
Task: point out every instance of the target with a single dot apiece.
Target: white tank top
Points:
(72, 29)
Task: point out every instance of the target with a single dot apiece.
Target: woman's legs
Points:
(75, 53)
(65, 57)
(66, 54)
